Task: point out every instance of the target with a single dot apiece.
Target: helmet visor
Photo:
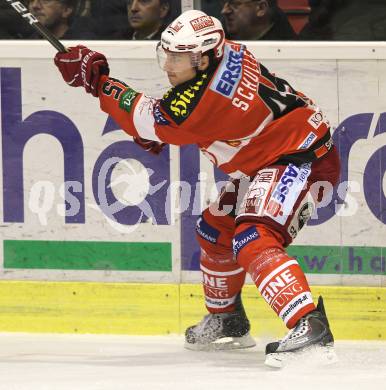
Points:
(171, 61)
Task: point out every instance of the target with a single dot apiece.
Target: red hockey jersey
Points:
(241, 116)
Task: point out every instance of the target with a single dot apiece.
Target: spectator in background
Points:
(346, 20)
(147, 18)
(11, 27)
(59, 16)
(110, 17)
(133, 19)
(256, 20)
(318, 27)
(212, 7)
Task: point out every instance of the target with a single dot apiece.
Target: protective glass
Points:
(170, 61)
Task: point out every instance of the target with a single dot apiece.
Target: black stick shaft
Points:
(20, 8)
(45, 33)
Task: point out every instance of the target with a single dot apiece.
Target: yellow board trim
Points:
(157, 309)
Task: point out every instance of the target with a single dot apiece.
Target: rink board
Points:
(159, 309)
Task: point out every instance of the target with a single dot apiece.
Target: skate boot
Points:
(310, 339)
(221, 331)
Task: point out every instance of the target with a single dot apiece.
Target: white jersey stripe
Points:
(143, 118)
(219, 303)
(216, 273)
(295, 305)
(276, 271)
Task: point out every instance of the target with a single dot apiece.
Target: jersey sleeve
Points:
(137, 114)
(117, 99)
(146, 117)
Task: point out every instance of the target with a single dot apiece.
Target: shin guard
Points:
(222, 284)
(279, 278)
(223, 278)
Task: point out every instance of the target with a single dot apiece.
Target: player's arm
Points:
(122, 103)
(142, 116)
(82, 67)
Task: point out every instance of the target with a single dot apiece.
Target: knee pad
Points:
(214, 235)
(278, 277)
(251, 240)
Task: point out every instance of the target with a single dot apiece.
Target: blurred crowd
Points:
(92, 19)
(340, 20)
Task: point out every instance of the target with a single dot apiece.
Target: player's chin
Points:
(172, 78)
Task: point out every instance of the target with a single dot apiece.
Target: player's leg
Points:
(278, 277)
(226, 326)
(265, 226)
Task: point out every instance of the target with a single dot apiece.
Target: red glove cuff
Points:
(153, 147)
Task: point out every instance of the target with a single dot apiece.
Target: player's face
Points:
(177, 78)
(146, 15)
(239, 15)
(180, 67)
(50, 13)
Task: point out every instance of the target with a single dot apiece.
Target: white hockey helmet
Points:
(192, 32)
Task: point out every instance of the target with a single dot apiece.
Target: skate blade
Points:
(314, 355)
(223, 344)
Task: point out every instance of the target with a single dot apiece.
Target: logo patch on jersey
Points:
(258, 192)
(316, 119)
(207, 232)
(229, 74)
(287, 191)
(308, 141)
(179, 102)
(244, 238)
(301, 217)
(159, 117)
(202, 23)
(127, 99)
(329, 144)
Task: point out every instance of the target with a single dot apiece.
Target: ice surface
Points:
(91, 362)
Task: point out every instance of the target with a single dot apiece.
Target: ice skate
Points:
(221, 331)
(311, 338)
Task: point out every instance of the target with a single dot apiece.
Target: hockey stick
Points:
(21, 9)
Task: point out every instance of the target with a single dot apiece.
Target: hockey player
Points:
(272, 141)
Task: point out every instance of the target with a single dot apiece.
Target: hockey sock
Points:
(278, 277)
(222, 284)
